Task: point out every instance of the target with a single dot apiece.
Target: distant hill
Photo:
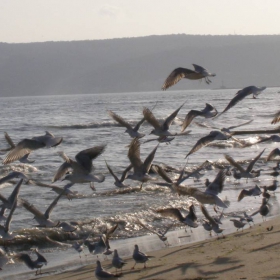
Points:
(136, 64)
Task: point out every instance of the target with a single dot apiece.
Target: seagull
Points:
(214, 225)
(140, 169)
(12, 145)
(256, 191)
(248, 173)
(81, 168)
(273, 154)
(189, 220)
(276, 118)
(264, 208)
(5, 230)
(208, 112)
(78, 247)
(102, 274)
(212, 136)
(241, 94)
(139, 257)
(132, 131)
(160, 234)
(117, 262)
(179, 73)
(38, 263)
(8, 202)
(273, 187)
(160, 129)
(26, 146)
(42, 218)
(118, 182)
(238, 224)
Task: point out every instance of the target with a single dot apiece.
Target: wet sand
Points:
(251, 254)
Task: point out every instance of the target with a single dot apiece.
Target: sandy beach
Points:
(251, 254)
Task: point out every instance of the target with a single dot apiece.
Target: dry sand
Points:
(251, 254)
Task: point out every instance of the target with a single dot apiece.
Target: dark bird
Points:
(161, 129)
(273, 187)
(132, 131)
(238, 224)
(264, 208)
(255, 191)
(118, 182)
(241, 94)
(208, 112)
(117, 262)
(139, 257)
(26, 146)
(190, 219)
(38, 263)
(179, 73)
(140, 169)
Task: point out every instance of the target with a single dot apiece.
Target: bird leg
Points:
(133, 266)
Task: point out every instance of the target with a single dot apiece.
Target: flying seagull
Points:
(179, 73)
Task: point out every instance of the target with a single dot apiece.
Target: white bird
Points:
(241, 94)
(26, 146)
(132, 131)
(179, 73)
(102, 274)
(139, 257)
(82, 168)
(208, 112)
(38, 263)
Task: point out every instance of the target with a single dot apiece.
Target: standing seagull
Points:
(160, 129)
(81, 168)
(139, 257)
(26, 146)
(179, 73)
(241, 94)
(132, 131)
(140, 169)
(117, 262)
(208, 112)
(38, 263)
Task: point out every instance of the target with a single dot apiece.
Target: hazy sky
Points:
(67, 20)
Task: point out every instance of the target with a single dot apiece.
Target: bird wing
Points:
(234, 126)
(111, 172)
(9, 140)
(241, 94)
(119, 119)
(234, 163)
(207, 215)
(168, 121)
(52, 205)
(31, 208)
(137, 126)
(85, 157)
(201, 143)
(62, 170)
(171, 212)
(147, 228)
(218, 184)
(150, 118)
(149, 159)
(24, 147)
(276, 118)
(9, 218)
(252, 163)
(124, 174)
(162, 173)
(175, 76)
(26, 259)
(274, 153)
(189, 117)
(134, 154)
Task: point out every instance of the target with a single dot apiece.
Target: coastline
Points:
(251, 254)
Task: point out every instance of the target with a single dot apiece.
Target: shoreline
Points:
(251, 254)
